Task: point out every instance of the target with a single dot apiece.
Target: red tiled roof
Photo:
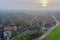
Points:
(11, 27)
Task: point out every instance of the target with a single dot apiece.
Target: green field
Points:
(54, 35)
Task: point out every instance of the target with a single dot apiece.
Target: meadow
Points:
(54, 35)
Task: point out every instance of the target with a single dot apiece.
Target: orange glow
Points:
(44, 3)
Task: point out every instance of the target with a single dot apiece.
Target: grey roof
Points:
(33, 31)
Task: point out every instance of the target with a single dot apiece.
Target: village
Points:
(34, 27)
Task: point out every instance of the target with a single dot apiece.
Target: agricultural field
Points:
(54, 35)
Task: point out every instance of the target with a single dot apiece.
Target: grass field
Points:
(54, 35)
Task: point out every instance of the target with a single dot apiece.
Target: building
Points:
(32, 32)
(10, 27)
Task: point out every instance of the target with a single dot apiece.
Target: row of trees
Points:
(22, 36)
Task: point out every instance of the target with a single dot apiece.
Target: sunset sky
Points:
(29, 5)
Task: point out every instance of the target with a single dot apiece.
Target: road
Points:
(49, 30)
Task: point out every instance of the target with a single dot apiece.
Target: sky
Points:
(29, 5)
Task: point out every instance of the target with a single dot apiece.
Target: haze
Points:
(28, 5)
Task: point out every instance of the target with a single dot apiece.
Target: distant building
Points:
(35, 22)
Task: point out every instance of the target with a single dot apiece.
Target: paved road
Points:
(49, 31)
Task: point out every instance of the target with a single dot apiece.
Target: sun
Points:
(44, 3)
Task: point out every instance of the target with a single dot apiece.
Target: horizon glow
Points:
(30, 4)
(44, 3)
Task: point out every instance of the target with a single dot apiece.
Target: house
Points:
(10, 27)
(31, 32)
(49, 23)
